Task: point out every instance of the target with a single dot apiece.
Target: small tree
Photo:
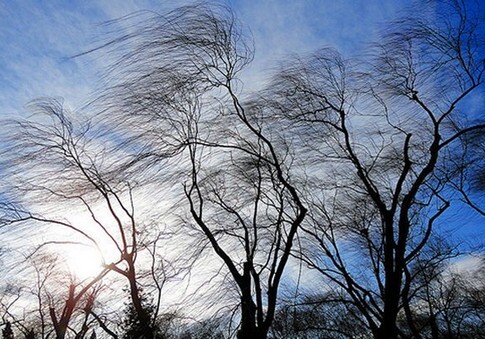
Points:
(7, 332)
(61, 164)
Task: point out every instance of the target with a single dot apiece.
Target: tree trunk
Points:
(60, 325)
(393, 278)
(251, 333)
(249, 327)
(141, 313)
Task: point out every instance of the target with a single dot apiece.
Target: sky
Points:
(38, 39)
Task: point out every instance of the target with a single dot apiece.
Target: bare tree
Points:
(317, 316)
(179, 107)
(365, 155)
(380, 135)
(10, 295)
(61, 320)
(42, 290)
(61, 166)
(449, 303)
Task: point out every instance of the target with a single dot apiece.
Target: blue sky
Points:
(37, 39)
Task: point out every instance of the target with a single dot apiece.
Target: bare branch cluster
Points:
(342, 169)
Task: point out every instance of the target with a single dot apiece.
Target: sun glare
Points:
(84, 262)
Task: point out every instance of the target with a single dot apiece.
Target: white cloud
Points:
(281, 28)
(37, 38)
(467, 265)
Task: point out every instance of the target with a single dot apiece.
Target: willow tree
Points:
(60, 173)
(387, 137)
(177, 103)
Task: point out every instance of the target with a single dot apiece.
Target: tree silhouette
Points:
(58, 161)
(181, 76)
(345, 166)
(7, 332)
(384, 133)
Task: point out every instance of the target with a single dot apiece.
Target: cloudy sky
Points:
(38, 39)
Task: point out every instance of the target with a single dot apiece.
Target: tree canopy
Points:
(314, 208)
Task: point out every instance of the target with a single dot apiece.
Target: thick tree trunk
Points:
(393, 278)
(388, 328)
(144, 319)
(249, 327)
(60, 325)
(252, 333)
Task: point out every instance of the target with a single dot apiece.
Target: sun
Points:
(84, 262)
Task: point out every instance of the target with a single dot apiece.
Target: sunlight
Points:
(84, 262)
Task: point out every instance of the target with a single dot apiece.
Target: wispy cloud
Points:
(37, 42)
(37, 39)
(281, 28)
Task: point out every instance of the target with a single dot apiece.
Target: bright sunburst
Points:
(84, 262)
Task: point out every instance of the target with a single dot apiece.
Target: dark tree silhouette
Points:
(179, 73)
(59, 161)
(382, 135)
(7, 332)
(346, 165)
